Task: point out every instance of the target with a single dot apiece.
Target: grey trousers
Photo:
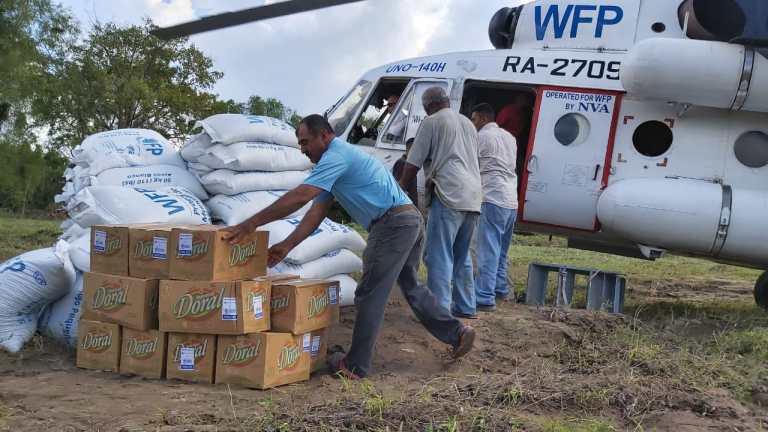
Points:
(395, 245)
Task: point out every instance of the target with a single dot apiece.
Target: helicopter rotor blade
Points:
(229, 19)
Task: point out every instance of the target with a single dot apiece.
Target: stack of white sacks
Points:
(124, 176)
(247, 162)
(132, 176)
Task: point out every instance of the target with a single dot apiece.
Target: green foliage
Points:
(123, 77)
(33, 36)
(271, 107)
(30, 176)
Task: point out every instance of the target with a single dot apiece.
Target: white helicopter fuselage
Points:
(641, 140)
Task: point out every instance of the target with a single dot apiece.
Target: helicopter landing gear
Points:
(761, 291)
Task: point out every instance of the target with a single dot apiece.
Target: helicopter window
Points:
(572, 129)
(652, 138)
(752, 149)
(342, 115)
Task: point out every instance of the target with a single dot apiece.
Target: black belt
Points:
(395, 210)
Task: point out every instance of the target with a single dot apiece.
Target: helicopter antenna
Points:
(229, 19)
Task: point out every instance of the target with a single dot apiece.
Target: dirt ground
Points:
(530, 366)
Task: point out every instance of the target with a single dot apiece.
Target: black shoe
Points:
(486, 308)
(463, 315)
(465, 344)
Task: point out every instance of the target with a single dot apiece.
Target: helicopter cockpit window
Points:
(377, 112)
(752, 149)
(341, 116)
(572, 129)
(395, 133)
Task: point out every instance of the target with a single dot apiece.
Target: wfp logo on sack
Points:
(151, 145)
(22, 268)
(255, 119)
(166, 201)
(296, 222)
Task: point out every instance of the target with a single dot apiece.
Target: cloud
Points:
(311, 59)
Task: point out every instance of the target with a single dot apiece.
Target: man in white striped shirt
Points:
(497, 153)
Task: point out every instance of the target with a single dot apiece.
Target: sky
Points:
(310, 60)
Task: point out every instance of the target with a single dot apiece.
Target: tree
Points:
(273, 108)
(34, 34)
(123, 77)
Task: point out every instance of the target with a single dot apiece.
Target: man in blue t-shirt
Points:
(369, 193)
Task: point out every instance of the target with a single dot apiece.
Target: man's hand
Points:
(238, 233)
(278, 253)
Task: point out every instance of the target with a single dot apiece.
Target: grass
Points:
(23, 235)
(663, 352)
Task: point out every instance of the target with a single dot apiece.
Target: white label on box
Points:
(258, 306)
(229, 309)
(315, 346)
(187, 362)
(185, 245)
(160, 248)
(333, 294)
(307, 342)
(100, 241)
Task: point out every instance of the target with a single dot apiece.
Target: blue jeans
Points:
(494, 237)
(449, 265)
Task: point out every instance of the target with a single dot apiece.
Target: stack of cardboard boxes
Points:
(182, 303)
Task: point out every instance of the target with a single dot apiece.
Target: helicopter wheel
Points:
(761, 291)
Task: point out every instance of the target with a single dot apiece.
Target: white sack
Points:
(195, 147)
(232, 182)
(125, 148)
(232, 128)
(115, 205)
(328, 237)
(80, 251)
(60, 319)
(255, 156)
(347, 288)
(28, 283)
(334, 263)
(149, 177)
(71, 230)
(237, 208)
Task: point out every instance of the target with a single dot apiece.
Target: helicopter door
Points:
(568, 156)
(409, 114)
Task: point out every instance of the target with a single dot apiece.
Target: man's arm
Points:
(408, 174)
(308, 225)
(287, 204)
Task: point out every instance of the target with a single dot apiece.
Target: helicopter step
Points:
(605, 290)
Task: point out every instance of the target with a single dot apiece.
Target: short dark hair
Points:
(315, 123)
(485, 109)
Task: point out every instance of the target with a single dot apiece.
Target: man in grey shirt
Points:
(498, 156)
(446, 147)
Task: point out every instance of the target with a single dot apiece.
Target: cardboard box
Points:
(191, 357)
(201, 254)
(233, 308)
(143, 353)
(318, 351)
(98, 346)
(121, 300)
(109, 249)
(261, 360)
(149, 246)
(303, 306)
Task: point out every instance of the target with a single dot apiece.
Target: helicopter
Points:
(646, 120)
